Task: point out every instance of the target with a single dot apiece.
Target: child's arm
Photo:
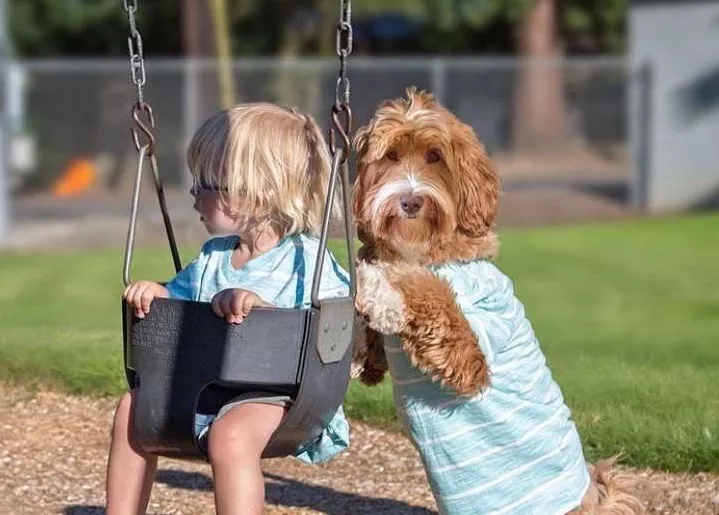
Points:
(139, 296)
(235, 304)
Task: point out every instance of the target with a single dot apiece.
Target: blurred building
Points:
(674, 58)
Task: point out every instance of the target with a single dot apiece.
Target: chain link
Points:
(144, 123)
(343, 47)
(135, 49)
(341, 112)
(138, 76)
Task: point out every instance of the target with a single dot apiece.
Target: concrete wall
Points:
(674, 99)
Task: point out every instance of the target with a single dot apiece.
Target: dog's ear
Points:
(370, 145)
(476, 180)
(358, 195)
(370, 142)
(361, 142)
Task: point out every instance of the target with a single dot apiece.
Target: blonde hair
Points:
(274, 157)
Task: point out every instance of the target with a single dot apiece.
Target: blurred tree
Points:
(546, 31)
(594, 26)
(301, 27)
(539, 117)
(90, 27)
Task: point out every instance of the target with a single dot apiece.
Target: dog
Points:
(470, 382)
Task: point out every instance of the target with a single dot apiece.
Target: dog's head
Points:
(425, 185)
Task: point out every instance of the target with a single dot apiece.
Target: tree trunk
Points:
(288, 85)
(199, 43)
(540, 119)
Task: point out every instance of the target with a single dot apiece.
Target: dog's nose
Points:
(411, 204)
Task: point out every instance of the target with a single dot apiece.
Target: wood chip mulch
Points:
(53, 450)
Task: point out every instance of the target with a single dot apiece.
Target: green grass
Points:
(627, 314)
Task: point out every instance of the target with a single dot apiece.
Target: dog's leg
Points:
(375, 364)
(421, 309)
(369, 360)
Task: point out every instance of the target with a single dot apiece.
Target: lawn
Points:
(627, 314)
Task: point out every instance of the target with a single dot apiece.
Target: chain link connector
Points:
(145, 127)
(342, 124)
(342, 91)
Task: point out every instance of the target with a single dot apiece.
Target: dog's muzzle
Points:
(411, 204)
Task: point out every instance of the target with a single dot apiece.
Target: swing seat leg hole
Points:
(216, 400)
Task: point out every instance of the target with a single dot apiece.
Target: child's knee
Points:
(242, 434)
(232, 443)
(121, 421)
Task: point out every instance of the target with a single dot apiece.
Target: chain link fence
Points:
(75, 115)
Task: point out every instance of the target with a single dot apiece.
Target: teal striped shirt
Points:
(512, 449)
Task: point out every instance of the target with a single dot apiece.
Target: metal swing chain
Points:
(341, 112)
(146, 127)
(139, 78)
(341, 115)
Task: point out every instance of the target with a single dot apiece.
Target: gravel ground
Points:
(53, 451)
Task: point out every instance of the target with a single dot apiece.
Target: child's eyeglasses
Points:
(200, 186)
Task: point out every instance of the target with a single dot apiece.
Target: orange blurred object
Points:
(77, 179)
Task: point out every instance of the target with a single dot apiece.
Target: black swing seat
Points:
(181, 347)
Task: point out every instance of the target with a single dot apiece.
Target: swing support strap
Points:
(341, 115)
(143, 129)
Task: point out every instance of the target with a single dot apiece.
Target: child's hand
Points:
(235, 304)
(140, 295)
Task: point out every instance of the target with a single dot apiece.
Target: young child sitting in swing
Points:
(261, 175)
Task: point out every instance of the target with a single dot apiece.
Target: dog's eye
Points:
(432, 156)
(393, 155)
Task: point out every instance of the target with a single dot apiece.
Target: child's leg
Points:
(130, 472)
(236, 442)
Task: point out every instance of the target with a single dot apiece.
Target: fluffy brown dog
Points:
(470, 382)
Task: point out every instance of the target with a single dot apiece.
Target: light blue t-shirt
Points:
(512, 449)
(283, 277)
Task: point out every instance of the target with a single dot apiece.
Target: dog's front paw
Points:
(378, 301)
(470, 374)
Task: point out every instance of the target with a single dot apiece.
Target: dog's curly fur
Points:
(410, 301)
(426, 193)
(460, 189)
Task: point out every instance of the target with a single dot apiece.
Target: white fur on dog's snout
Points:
(395, 189)
(411, 185)
(379, 301)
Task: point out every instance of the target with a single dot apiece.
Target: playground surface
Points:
(54, 450)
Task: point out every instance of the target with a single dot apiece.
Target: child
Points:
(261, 175)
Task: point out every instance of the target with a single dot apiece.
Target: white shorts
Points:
(203, 421)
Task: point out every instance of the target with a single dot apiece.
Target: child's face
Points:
(216, 216)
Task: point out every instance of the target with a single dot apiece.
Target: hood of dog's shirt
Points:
(478, 284)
